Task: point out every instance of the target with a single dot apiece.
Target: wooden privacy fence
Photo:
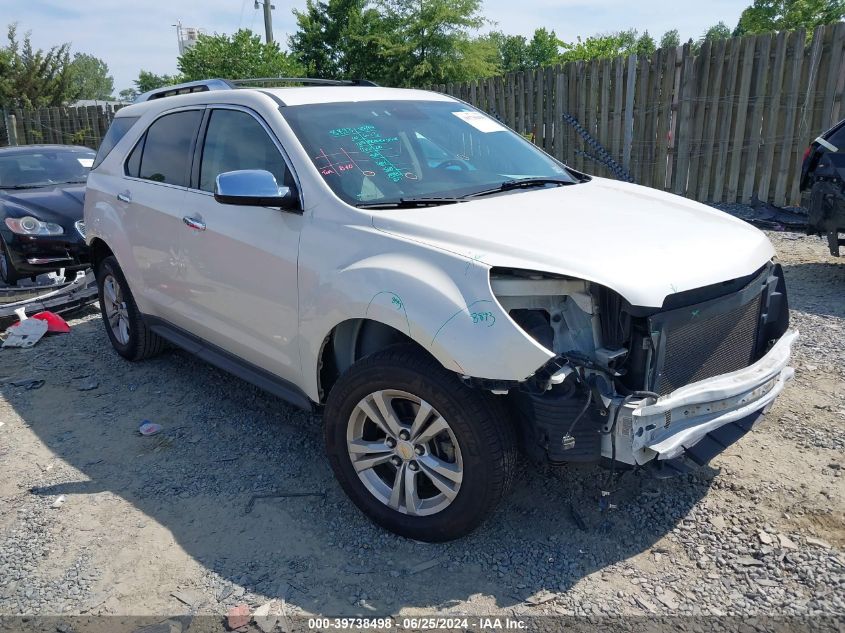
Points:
(726, 125)
(68, 126)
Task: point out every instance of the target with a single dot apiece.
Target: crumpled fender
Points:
(443, 301)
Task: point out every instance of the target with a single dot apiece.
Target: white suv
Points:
(439, 287)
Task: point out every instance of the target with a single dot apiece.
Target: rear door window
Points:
(167, 148)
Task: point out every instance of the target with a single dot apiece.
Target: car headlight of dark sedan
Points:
(33, 226)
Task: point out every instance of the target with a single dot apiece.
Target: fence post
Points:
(12, 129)
(628, 134)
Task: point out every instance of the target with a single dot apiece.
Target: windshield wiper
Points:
(521, 183)
(410, 203)
(39, 185)
(432, 201)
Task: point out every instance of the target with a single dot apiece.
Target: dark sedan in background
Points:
(823, 184)
(41, 198)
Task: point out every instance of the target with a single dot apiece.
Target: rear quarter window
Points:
(117, 130)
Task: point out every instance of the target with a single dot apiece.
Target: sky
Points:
(130, 36)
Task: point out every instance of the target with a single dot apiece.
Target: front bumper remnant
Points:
(58, 297)
(681, 419)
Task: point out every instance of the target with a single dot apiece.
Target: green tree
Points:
(90, 78)
(718, 31)
(769, 16)
(511, 51)
(239, 56)
(645, 44)
(127, 94)
(426, 42)
(543, 49)
(336, 39)
(602, 46)
(150, 81)
(33, 78)
(670, 39)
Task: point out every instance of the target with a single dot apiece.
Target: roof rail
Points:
(241, 83)
(205, 85)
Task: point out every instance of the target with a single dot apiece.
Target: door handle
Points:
(125, 196)
(199, 225)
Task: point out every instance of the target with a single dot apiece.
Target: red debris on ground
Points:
(55, 323)
(237, 617)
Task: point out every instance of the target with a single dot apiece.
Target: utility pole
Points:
(178, 26)
(268, 18)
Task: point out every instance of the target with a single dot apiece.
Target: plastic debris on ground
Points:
(26, 334)
(87, 384)
(237, 617)
(149, 428)
(28, 383)
(55, 323)
(269, 615)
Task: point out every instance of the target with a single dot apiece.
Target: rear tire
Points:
(430, 476)
(125, 327)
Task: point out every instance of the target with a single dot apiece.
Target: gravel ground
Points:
(95, 519)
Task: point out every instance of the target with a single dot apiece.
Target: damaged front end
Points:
(670, 387)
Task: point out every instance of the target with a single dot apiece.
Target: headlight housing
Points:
(29, 225)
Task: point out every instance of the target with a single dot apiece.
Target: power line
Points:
(241, 17)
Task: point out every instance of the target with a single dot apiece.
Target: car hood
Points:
(643, 243)
(61, 204)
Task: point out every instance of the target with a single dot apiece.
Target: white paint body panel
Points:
(423, 272)
(240, 281)
(640, 242)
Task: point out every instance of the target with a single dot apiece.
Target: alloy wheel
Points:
(115, 308)
(404, 452)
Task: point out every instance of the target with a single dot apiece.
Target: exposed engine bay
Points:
(615, 363)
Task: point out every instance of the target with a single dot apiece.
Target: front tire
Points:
(125, 327)
(419, 452)
(8, 273)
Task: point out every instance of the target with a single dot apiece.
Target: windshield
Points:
(386, 151)
(44, 166)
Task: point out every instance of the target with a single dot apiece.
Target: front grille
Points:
(702, 348)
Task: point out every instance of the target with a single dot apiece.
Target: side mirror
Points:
(253, 187)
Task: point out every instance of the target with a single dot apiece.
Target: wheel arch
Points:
(99, 251)
(352, 340)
